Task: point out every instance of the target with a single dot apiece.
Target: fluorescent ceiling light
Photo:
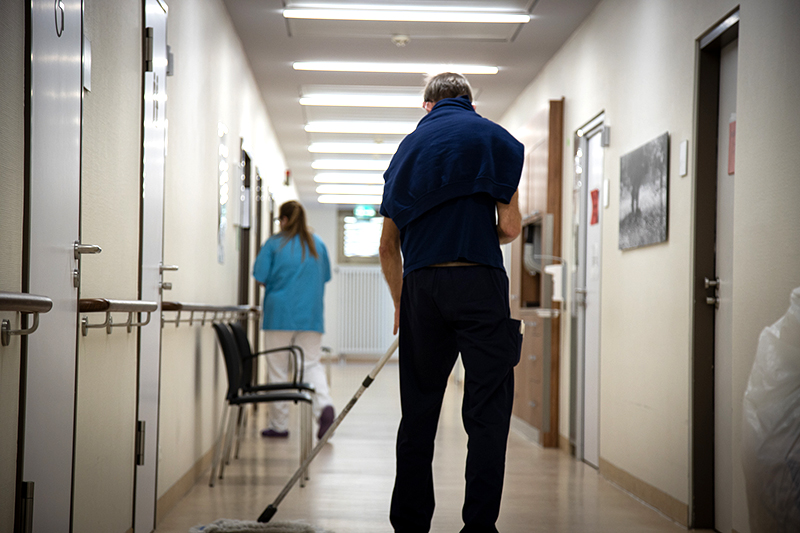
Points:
(342, 177)
(352, 126)
(362, 100)
(330, 188)
(406, 68)
(349, 199)
(353, 164)
(353, 148)
(410, 14)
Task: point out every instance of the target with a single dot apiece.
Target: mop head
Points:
(225, 525)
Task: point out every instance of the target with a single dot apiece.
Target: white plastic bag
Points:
(771, 427)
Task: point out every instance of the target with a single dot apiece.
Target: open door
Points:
(589, 190)
(712, 462)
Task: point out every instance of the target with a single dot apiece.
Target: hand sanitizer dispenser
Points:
(557, 272)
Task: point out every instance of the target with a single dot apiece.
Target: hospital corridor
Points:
(249, 247)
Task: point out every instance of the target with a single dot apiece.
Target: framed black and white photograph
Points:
(644, 194)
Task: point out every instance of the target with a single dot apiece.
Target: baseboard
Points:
(526, 430)
(181, 488)
(563, 442)
(659, 500)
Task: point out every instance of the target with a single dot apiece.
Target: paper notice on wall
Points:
(732, 146)
(595, 207)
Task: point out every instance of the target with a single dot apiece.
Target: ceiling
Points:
(273, 43)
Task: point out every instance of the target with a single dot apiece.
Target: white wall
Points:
(766, 261)
(105, 417)
(323, 219)
(635, 60)
(212, 84)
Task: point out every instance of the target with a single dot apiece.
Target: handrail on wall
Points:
(22, 303)
(107, 306)
(226, 312)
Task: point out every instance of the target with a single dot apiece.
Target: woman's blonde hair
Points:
(296, 225)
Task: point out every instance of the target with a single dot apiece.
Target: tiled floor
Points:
(351, 479)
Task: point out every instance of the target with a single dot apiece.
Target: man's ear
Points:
(427, 106)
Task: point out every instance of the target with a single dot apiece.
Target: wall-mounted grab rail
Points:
(104, 305)
(22, 303)
(212, 313)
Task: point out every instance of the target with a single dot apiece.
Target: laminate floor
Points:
(351, 480)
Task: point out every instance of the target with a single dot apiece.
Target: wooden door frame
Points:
(702, 445)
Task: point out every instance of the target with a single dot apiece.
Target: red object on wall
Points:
(595, 199)
(732, 147)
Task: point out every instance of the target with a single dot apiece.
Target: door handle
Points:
(86, 249)
(711, 283)
(163, 268)
(713, 300)
(59, 8)
(580, 291)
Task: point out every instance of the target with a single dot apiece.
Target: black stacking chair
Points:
(249, 384)
(247, 355)
(235, 398)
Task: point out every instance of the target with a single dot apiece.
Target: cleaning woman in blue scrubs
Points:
(293, 266)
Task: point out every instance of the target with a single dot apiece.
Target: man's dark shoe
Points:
(325, 420)
(274, 433)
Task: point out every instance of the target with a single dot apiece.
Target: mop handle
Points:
(300, 471)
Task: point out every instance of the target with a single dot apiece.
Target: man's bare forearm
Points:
(391, 259)
(392, 265)
(509, 220)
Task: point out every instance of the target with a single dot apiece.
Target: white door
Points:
(592, 219)
(55, 139)
(153, 152)
(723, 369)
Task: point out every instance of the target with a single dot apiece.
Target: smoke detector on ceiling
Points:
(401, 40)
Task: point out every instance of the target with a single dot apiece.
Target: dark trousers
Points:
(444, 311)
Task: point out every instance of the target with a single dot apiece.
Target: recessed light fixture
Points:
(375, 190)
(350, 164)
(349, 177)
(353, 148)
(409, 14)
(349, 199)
(353, 126)
(403, 68)
(362, 100)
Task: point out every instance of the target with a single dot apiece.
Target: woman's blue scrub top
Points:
(295, 287)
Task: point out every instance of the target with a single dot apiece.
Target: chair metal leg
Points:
(239, 424)
(218, 444)
(226, 452)
(309, 433)
(302, 432)
(305, 438)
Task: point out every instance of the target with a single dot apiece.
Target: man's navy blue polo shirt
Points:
(461, 229)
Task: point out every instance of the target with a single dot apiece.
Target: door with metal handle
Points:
(78, 250)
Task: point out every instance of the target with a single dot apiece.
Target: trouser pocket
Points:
(515, 333)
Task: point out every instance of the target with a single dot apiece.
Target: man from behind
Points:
(450, 200)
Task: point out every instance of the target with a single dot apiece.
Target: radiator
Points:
(366, 312)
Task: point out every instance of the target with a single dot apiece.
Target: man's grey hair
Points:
(446, 85)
